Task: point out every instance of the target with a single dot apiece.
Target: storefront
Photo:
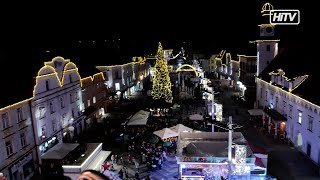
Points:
(45, 146)
(23, 169)
(274, 122)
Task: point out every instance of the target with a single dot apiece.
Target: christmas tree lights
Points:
(161, 87)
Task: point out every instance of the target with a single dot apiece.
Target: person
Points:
(92, 175)
(121, 173)
(2, 177)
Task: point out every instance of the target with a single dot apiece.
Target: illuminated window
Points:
(19, 114)
(299, 117)
(88, 102)
(9, 148)
(310, 123)
(47, 85)
(62, 102)
(5, 120)
(42, 112)
(78, 95)
(52, 109)
(22, 140)
(117, 86)
(94, 100)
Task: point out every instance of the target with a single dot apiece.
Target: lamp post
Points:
(230, 130)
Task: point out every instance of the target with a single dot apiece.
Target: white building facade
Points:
(124, 80)
(17, 146)
(57, 104)
(302, 126)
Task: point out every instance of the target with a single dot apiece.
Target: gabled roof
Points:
(297, 59)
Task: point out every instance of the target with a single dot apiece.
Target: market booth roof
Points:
(60, 151)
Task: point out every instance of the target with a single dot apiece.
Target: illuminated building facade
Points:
(18, 156)
(57, 104)
(124, 80)
(225, 68)
(94, 97)
(285, 90)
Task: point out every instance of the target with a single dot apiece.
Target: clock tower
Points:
(267, 45)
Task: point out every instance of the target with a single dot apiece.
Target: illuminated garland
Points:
(161, 87)
(141, 60)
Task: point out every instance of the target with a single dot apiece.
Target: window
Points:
(42, 112)
(117, 86)
(299, 117)
(52, 110)
(78, 95)
(5, 120)
(290, 110)
(62, 102)
(19, 114)
(88, 102)
(284, 107)
(72, 112)
(267, 96)
(64, 119)
(54, 125)
(47, 85)
(310, 123)
(70, 78)
(9, 148)
(71, 98)
(94, 100)
(22, 140)
(268, 47)
(43, 131)
(277, 99)
(261, 93)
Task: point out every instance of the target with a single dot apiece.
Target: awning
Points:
(274, 114)
(59, 151)
(255, 112)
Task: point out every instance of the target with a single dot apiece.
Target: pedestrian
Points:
(136, 164)
(121, 173)
(137, 176)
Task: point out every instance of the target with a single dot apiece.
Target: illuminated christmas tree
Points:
(161, 87)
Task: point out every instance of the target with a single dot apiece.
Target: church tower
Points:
(267, 45)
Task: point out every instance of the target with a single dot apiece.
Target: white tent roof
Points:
(181, 128)
(196, 117)
(255, 112)
(165, 133)
(140, 118)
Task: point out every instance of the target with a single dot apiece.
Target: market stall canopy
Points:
(140, 118)
(59, 151)
(255, 112)
(165, 133)
(196, 117)
(181, 128)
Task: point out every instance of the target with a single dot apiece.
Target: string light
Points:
(181, 68)
(161, 87)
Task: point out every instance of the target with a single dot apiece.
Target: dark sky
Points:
(120, 33)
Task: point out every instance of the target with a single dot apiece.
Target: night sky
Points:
(30, 39)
